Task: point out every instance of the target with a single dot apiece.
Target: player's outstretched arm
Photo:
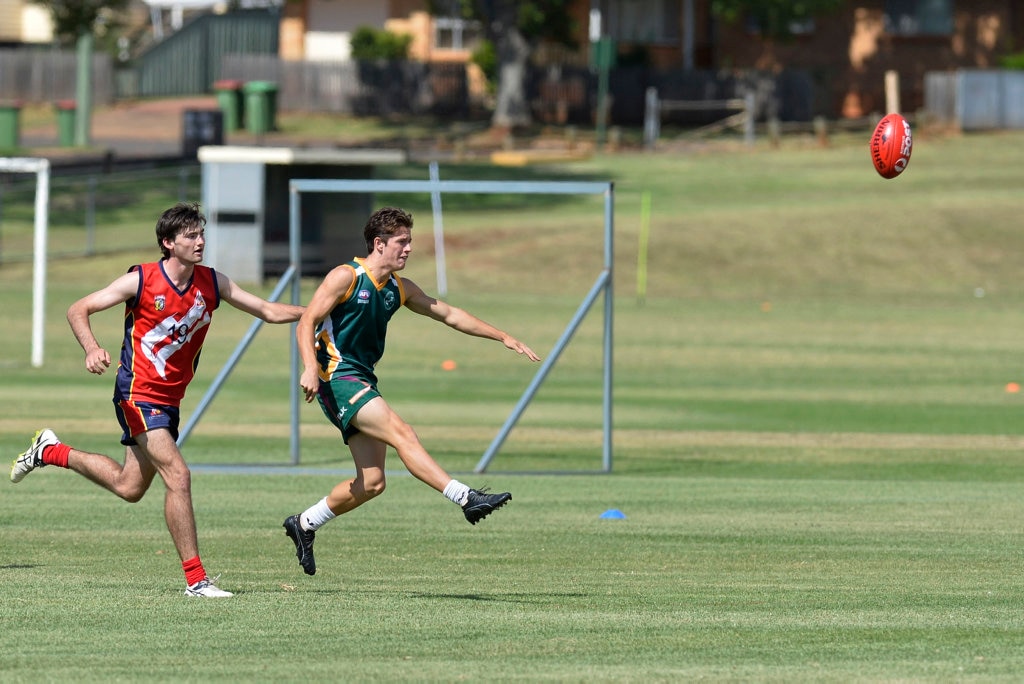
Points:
(271, 312)
(459, 319)
(97, 360)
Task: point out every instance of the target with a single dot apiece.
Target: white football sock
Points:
(457, 492)
(314, 517)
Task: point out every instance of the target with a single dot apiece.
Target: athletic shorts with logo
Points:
(137, 417)
(341, 398)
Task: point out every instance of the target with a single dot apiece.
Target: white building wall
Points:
(24, 22)
(331, 23)
(10, 20)
(36, 25)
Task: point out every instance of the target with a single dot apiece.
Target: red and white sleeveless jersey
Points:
(164, 329)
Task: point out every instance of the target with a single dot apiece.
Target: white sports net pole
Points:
(40, 167)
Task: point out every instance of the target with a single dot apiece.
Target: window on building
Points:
(650, 22)
(919, 17)
(452, 33)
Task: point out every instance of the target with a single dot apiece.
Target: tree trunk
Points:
(511, 108)
(513, 53)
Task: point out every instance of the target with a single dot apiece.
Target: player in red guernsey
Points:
(168, 308)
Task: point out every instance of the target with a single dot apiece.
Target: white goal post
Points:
(40, 167)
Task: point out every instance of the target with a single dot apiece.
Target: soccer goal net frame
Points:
(435, 188)
(41, 219)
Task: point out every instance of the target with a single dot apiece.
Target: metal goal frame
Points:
(435, 188)
(602, 284)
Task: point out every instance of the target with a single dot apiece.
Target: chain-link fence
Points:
(93, 213)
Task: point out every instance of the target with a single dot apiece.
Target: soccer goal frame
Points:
(41, 217)
(435, 188)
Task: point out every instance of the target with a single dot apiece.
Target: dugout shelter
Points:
(245, 198)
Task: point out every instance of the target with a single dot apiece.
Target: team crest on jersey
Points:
(363, 297)
(389, 300)
(159, 302)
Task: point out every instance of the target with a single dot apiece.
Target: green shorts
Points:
(341, 398)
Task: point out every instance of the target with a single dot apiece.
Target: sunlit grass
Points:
(816, 447)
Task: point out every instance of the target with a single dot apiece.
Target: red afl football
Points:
(891, 144)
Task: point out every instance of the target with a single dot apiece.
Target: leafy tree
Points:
(775, 17)
(514, 28)
(73, 18)
(79, 22)
(486, 59)
(371, 43)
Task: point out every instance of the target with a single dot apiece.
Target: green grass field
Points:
(815, 450)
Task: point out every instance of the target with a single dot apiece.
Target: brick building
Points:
(846, 52)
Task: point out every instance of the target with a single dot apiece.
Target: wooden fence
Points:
(363, 88)
(560, 94)
(48, 75)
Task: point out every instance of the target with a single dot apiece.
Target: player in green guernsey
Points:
(341, 339)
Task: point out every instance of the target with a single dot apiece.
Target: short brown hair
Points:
(384, 224)
(177, 219)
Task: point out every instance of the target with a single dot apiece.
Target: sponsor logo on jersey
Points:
(170, 334)
(363, 297)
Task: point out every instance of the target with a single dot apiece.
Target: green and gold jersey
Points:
(350, 340)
